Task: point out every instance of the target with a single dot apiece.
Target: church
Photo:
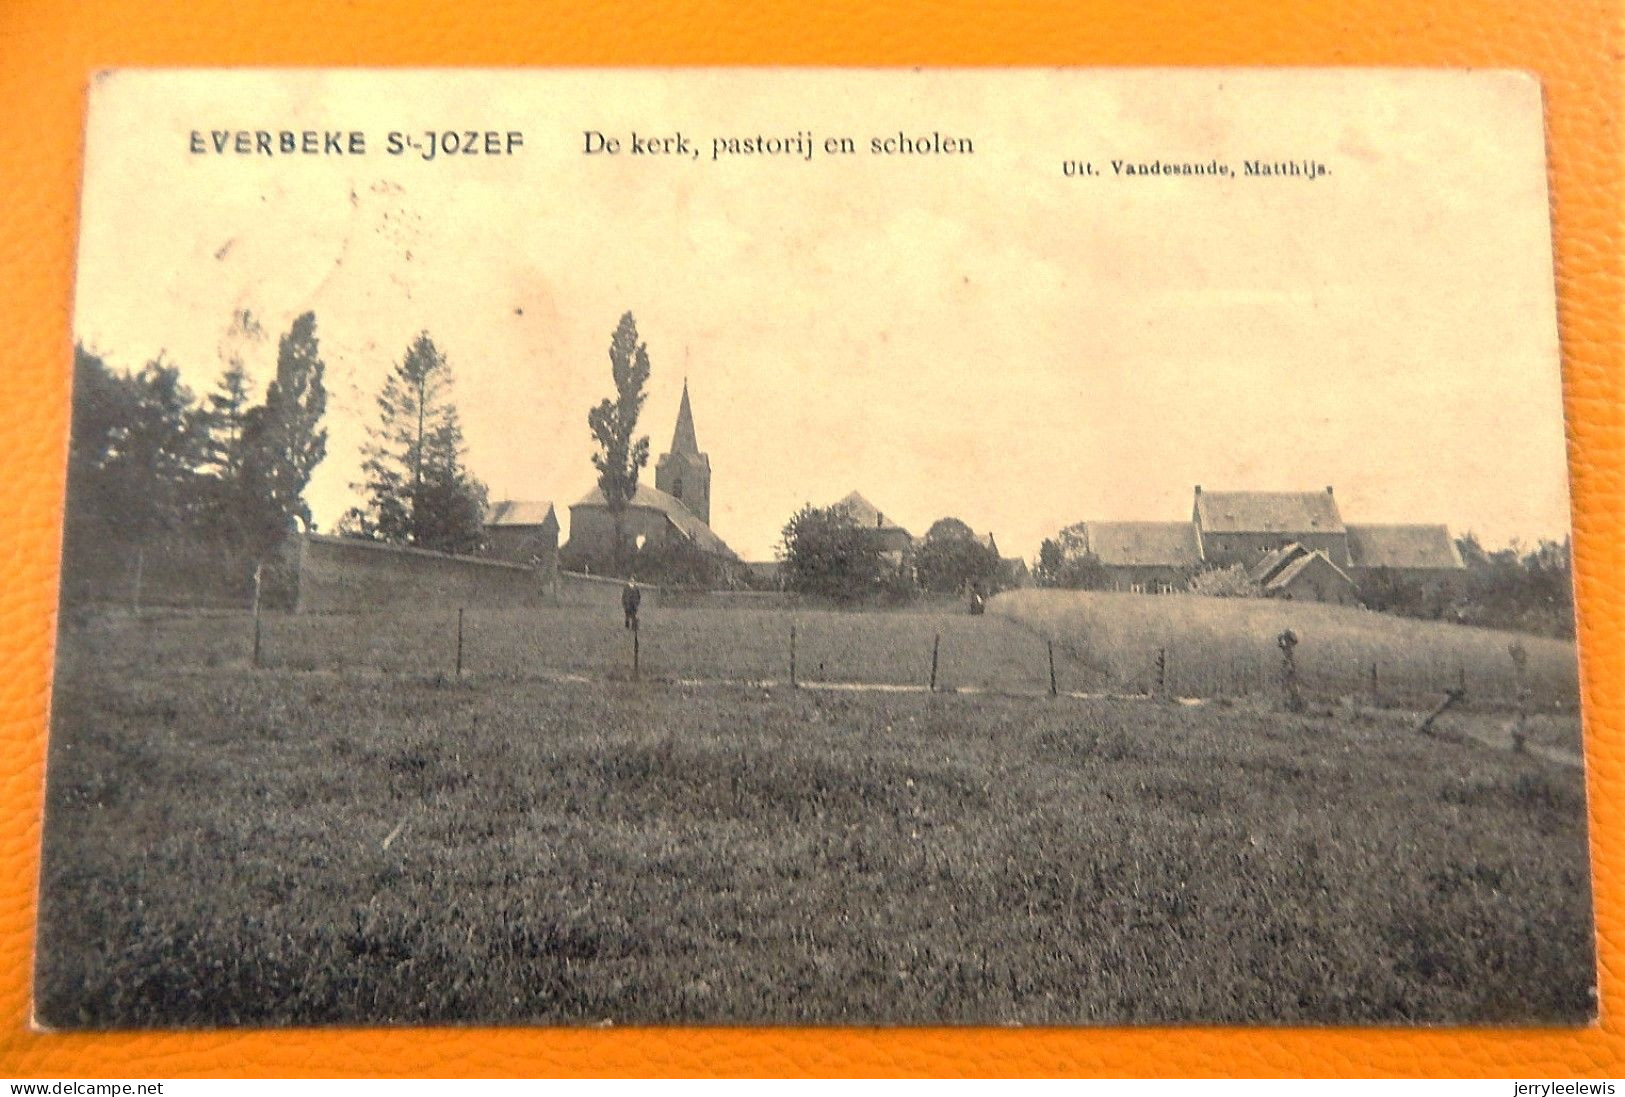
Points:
(677, 508)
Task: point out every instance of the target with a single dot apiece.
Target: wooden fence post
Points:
(936, 642)
(135, 589)
(1520, 720)
(1162, 672)
(793, 683)
(257, 568)
(635, 651)
(459, 641)
(1376, 694)
(1052, 690)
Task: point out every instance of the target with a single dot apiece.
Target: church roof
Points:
(652, 498)
(1420, 546)
(520, 512)
(683, 439)
(1142, 544)
(1268, 512)
(865, 513)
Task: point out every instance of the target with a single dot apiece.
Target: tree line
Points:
(197, 495)
(827, 553)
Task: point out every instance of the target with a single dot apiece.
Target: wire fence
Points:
(1415, 681)
(940, 651)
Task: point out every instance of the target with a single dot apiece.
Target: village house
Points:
(896, 543)
(522, 532)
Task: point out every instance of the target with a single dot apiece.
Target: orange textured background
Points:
(47, 50)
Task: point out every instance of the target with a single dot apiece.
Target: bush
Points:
(950, 560)
(825, 553)
(1225, 582)
(676, 562)
(1083, 571)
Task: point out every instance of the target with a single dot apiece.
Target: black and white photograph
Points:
(815, 547)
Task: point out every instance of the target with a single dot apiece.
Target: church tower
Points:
(685, 473)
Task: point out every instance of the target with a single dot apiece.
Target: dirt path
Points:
(1498, 736)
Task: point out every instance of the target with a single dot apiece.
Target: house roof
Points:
(1301, 563)
(1274, 560)
(865, 513)
(1142, 544)
(652, 498)
(1268, 512)
(520, 512)
(1419, 546)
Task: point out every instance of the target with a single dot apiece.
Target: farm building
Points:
(1302, 574)
(678, 506)
(1237, 527)
(1144, 557)
(522, 532)
(1422, 555)
(1248, 527)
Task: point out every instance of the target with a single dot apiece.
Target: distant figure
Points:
(977, 604)
(630, 597)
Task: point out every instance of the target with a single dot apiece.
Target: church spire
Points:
(685, 473)
(683, 440)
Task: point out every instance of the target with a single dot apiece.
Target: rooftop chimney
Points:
(1198, 489)
(1328, 489)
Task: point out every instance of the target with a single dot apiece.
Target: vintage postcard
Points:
(815, 547)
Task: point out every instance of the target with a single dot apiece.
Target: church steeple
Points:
(685, 473)
(683, 440)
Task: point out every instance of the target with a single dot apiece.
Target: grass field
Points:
(1227, 647)
(231, 846)
(689, 643)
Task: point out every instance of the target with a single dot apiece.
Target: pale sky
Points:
(976, 335)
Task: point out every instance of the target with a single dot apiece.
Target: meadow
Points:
(232, 846)
(708, 643)
(1215, 647)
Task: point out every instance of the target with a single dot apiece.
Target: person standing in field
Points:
(630, 597)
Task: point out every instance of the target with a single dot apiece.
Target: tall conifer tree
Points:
(419, 491)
